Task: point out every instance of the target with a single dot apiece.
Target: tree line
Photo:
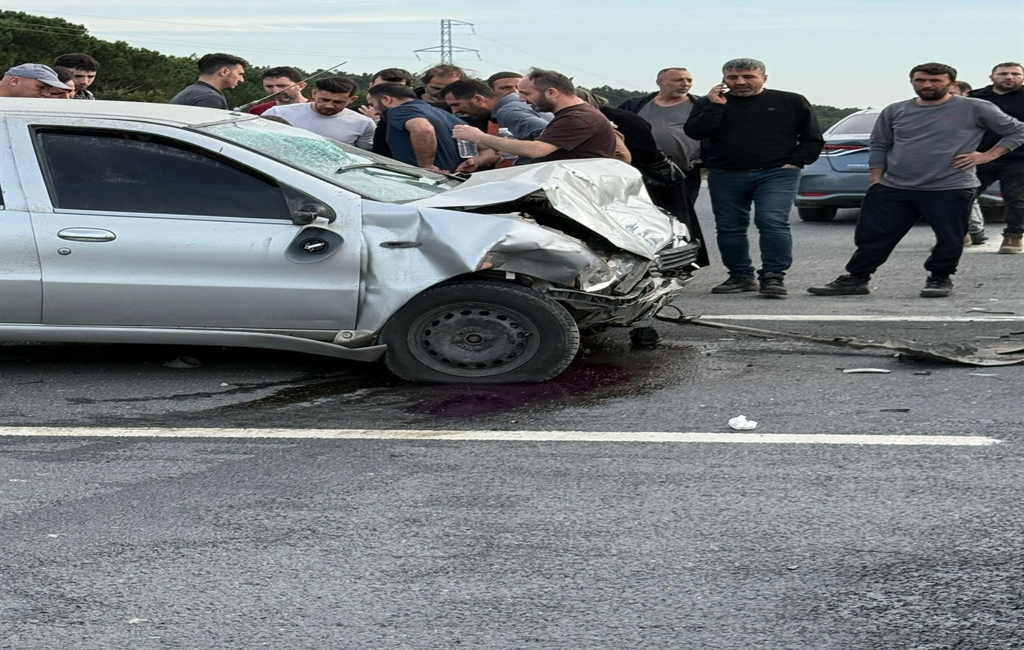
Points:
(140, 75)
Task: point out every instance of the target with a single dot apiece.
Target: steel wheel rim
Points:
(474, 340)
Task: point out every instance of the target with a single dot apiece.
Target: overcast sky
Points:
(837, 52)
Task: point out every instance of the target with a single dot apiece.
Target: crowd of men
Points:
(930, 156)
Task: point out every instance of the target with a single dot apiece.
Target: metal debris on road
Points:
(183, 362)
(985, 310)
(858, 371)
(967, 355)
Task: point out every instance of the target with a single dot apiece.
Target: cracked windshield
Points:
(374, 177)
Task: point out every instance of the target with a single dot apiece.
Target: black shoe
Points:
(736, 285)
(772, 286)
(937, 286)
(978, 238)
(844, 285)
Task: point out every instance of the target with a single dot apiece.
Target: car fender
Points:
(407, 249)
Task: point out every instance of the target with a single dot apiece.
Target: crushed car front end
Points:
(584, 233)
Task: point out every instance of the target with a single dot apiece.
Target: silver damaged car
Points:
(161, 224)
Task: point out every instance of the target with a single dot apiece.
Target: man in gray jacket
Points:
(922, 164)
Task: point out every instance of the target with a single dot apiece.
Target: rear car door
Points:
(21, 290)
(149, 225)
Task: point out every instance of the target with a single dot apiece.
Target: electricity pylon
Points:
(446, 48)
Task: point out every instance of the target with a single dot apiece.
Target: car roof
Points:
(150, 112)
(830, 132)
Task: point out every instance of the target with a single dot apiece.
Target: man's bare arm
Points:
(526, 148)
(424, 141)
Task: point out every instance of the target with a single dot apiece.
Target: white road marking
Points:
(509, 436)
(868, 318)
(991, 246)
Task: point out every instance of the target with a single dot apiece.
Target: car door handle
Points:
(86, 234)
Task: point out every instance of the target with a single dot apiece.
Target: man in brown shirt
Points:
(578, 131)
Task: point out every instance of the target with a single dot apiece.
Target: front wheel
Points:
(817, 214)
(480, 331)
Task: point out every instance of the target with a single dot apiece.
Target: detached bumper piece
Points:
(677, 259)
(591, 309)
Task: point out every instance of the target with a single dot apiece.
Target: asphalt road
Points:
(238, 543)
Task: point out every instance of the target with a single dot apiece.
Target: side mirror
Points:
(310, 212)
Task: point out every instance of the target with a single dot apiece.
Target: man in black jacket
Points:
(1006, 92)
(759, 140)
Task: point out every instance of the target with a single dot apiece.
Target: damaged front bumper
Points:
(636, 297)
(597, 310)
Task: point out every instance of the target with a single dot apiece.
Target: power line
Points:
(564, 65)
(229, 27)
(67, 31)
(445, 49)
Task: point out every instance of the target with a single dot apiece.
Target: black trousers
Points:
(1010, 174)
(692, 180)
(888, 214)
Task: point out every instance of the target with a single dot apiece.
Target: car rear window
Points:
(855, 124)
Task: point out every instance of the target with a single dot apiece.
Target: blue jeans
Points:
(771, 191)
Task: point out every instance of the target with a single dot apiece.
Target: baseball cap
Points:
(39, 72)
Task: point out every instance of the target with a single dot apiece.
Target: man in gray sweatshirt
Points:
(922, 164)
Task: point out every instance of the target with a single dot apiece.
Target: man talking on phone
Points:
(758, 140)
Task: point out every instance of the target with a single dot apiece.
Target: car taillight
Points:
(843, 147)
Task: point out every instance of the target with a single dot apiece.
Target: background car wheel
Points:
(993, 213)
(817, 214)
(480, 332)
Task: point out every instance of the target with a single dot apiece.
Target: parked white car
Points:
(161, 224)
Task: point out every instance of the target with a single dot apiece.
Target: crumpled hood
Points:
(604, 195)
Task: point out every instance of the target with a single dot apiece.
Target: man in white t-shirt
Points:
(328, 114)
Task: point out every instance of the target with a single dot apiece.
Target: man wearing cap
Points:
(30, 80)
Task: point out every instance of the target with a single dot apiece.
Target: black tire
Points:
(993, 214)
(817, 214)
(480, 331)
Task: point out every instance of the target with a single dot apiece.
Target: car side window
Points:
(117, 171)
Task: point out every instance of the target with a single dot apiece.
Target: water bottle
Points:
(504, 155)
(467, 149)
